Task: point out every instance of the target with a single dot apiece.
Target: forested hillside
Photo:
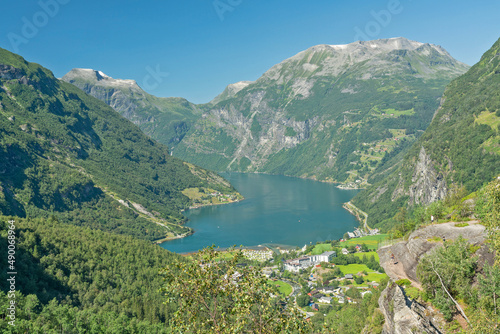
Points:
(65, 153)
(77, 280)
(461, 147)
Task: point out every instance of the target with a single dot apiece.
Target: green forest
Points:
(74, 279)
(67, 154)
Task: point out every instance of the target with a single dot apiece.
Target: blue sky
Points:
(194, 48)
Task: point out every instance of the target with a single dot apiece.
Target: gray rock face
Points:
(428, 185)
(407, 254)
(125, 96)
(257, 147)
(319, 106)
(403, 316)
(230, 91)
(8, 72)
(164, 119)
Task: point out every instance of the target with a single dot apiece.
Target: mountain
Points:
(164, 119)
(230, 91)
(340, 113)
(461, 147)
(67, 154)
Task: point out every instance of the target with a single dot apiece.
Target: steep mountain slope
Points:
(66, 153)
(164, 119)
(230, 91)
(460, 147)
(333, 112)
(72, 279)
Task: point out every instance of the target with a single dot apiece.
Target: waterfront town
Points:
(319, 276)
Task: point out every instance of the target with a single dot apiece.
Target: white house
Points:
(296, 264)
(293, 267)
(325, 257)
(325, 300)
(327, 289)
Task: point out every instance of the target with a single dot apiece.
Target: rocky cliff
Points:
(461, 147)
(400, 261)
(332, 112)
(164, 119)
(427, 184)
(408, 253)
(404, 316)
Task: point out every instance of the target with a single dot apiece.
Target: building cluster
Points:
(260, 255)
(223, 197)
(358, 233)
(295, 265)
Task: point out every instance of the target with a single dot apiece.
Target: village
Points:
(359, 233)
(320, 276)
(206, 197)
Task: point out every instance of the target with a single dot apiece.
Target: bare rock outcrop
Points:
(408, 253)
(428, 185)
(8, 72)
(403, 316)
(400, 261)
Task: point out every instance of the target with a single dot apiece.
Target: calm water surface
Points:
(277, 209)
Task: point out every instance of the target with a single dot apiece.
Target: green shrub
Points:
(403, 282)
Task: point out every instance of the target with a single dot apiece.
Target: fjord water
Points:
(276, 210)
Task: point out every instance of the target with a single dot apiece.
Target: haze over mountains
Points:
(331, 112)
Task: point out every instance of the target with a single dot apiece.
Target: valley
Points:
(341, 114)
(277, 210)
(103, 183)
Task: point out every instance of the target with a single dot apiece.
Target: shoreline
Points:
(162, 240)
(191, 230)
(351, 208)
(355, 211)
(341, 186)
(211, 204)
